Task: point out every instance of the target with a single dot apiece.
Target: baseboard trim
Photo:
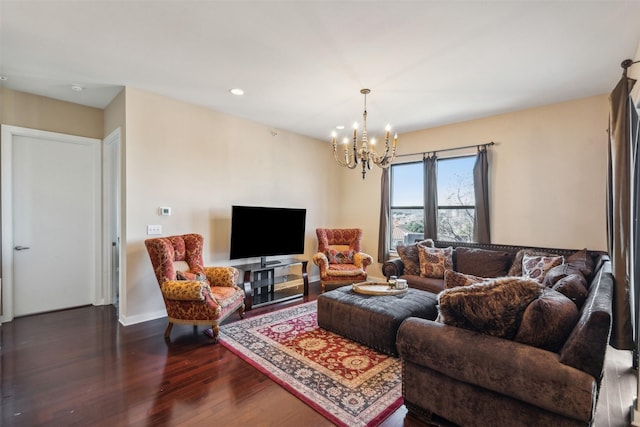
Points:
(139, 318)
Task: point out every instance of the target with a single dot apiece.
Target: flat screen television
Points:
(261, 231)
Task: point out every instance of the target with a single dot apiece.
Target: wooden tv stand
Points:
(261, 282)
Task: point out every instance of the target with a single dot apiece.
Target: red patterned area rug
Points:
(348, 383)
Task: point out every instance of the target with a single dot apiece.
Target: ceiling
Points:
(302, 63)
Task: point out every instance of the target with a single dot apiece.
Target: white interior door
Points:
(54, 219)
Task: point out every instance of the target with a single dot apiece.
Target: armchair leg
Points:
(241, 311)
(214, 331)
(167, 331)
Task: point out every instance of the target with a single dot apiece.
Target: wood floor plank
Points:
(81, 367)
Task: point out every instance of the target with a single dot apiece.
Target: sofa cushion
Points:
(492, 307)
(572, 286)
(410, 258)
(435, 261)
(516, 266)
(583, 261)
(453, 279)
(536, 266)
(482, 262)
(428, 284)
(547, 321)
(560, 271)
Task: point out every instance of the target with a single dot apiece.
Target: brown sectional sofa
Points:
(472, 378)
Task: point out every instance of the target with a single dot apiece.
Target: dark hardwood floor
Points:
(81, 367)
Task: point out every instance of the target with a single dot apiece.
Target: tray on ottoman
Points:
(373, 320)
(376, 288)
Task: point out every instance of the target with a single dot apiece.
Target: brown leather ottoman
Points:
(373, 320)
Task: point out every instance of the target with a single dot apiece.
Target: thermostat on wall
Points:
(164, 211)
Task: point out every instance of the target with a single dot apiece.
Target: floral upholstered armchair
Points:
(193, 294)
(339, 258)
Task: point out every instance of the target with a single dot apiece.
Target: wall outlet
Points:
(164, 211)
(154, 229)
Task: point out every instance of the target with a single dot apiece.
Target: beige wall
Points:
(37, 112)
(547, 171)
(199, 163)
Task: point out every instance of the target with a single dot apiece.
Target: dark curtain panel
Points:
(383, 231)
(481, 228)
(635, 142)
(619, 210)
(430, 197)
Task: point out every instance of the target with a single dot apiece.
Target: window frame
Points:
(392, 207)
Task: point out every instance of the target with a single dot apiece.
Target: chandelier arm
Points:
(365, 154)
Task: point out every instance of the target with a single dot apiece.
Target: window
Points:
(456, 201)
(407, 206)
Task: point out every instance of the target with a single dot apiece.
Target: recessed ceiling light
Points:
(236, 92)
(340, 127)
(77, 88)
(3, 78)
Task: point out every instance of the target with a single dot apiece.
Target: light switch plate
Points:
(154, 229)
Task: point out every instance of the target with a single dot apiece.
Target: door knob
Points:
(21, 248)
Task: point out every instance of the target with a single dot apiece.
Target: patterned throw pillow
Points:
(536, 266)
(336, 256)
(185, 275)
(516, 266)
(453, 279)
(410, 257)
(435, 261)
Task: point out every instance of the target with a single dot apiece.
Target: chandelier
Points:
(365, 154)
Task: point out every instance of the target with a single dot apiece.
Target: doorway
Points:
(51, 210)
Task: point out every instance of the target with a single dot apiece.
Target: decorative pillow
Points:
(548, 321)
(434, 261)
(340, 255)
(516, 266)
(492, 307)
(583, 261)
(185, 275)
(410, 258)
(535, 267)
(453, 279)
(572, 286)
(559, 272)
(482, 262)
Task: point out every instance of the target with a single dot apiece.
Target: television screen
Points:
(258, 231)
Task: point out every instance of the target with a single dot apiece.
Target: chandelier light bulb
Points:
(345, 140)
(373, 141)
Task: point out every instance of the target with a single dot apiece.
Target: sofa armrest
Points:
(184, 290)
(393, 267)
(222, 276)
(320, 259)
(527, 373)
(362, 260)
